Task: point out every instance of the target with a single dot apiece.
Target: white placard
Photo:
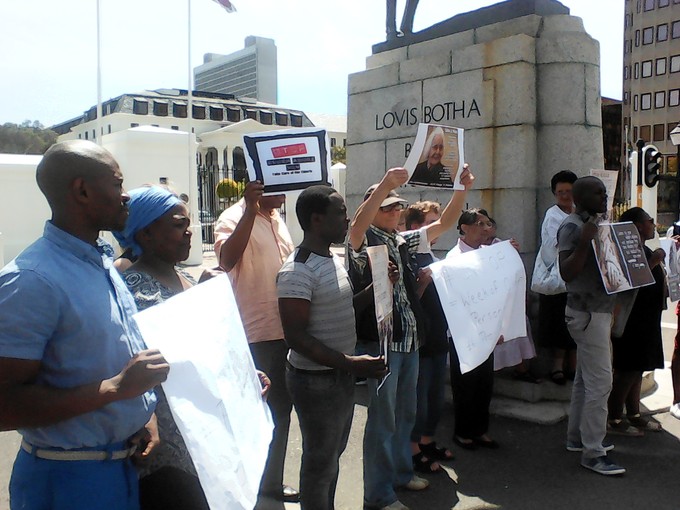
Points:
(288, 159)
(382, 293)
(437, 157)
(483, 295)
(213, 390)
(609, 178)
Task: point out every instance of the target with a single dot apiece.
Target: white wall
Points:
(23, 208)
(146, 154)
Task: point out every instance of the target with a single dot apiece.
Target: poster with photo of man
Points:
(436, 158)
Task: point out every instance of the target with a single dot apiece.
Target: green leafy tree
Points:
(338, 154)
(29, 137)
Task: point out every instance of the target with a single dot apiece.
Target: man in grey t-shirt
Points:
(317, 314)
(589, 317)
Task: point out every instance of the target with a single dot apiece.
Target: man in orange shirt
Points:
(251, 244)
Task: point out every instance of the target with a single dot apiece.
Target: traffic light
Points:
(651, 164)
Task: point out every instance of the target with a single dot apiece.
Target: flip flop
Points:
(641, 423)
(558, 377)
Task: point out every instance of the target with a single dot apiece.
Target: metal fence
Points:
(218, 189)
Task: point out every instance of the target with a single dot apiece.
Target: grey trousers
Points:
(593, 381)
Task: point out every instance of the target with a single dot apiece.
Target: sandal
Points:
(623, 428)
(558, 377)
(467, 444)
(641, 423)
(424, 464)
(435, 452)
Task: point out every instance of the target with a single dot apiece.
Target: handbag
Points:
(546, 279)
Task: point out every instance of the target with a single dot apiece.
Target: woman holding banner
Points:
(157, 232)
(472, 390)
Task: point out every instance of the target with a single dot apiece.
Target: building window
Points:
(333, 142)
(646, 68)
(664, 3)
(648, 35)
(662, 32)
(637, 38)
(160, 108)
(646, 101)
(216, 113)
(174, 128)
(94, 134)
(669, 128)
(649, 5)
(266, 117)
(296, 120)
(658, 133)
(134, 124)
(636, 74)
(179, 110)
(198, 112)
(281, 119)
(344, 142)
(675, 64)
(635, 133)
(636, 102)
(660, 99)
(251, 114)
(140, 107)
(86, 136)
(80, 136)
(660, 66)
(233, 114)
(675, 31)
(628, 46)
(625, 97)
(674, 97)
(626, 72)
(645, 132)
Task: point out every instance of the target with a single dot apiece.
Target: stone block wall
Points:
(525, 90)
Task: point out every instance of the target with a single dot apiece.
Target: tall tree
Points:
(29, 137)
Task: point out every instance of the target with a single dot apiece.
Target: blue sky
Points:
(48, 58)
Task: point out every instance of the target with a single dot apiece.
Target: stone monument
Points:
(522, 77)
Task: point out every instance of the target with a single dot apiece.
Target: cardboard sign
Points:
(382, 293)
(213, 390)
(620, 257)
(437, 157)
(290, 159)
(483, 294)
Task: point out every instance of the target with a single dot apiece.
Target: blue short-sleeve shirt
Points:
(62, 302)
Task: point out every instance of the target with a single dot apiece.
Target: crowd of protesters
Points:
(69, 348)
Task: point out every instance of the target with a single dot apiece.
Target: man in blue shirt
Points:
(75, 378)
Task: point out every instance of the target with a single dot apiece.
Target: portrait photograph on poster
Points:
(620, 257)
(290, 159)
(437, 157)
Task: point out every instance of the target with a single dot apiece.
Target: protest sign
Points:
(609, 178)
(213, 390)
(483, 296)
(289, 159)
(620, 257)
(672, 268)
(382, 294)
(436, 158)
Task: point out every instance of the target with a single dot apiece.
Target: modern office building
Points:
(250, 72)
(651, 84)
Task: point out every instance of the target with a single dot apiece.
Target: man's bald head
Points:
(590, 194)
(65, 162)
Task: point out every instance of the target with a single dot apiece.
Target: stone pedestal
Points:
(526, 90)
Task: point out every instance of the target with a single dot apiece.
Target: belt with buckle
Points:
(46, 454)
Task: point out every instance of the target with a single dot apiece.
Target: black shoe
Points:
(289, 495)
(467, 444)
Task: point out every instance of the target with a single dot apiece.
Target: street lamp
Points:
(675, 140)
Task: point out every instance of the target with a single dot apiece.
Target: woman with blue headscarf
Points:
(157, 233)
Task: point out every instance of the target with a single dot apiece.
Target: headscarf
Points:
(146, 205)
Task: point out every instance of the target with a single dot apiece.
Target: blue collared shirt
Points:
(62, 302)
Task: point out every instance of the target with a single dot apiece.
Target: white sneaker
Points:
(675, 410)
(417, 484)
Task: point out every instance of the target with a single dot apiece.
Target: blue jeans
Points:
(391, 416)
(430, 392)
(39, 484)
(324, 404)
